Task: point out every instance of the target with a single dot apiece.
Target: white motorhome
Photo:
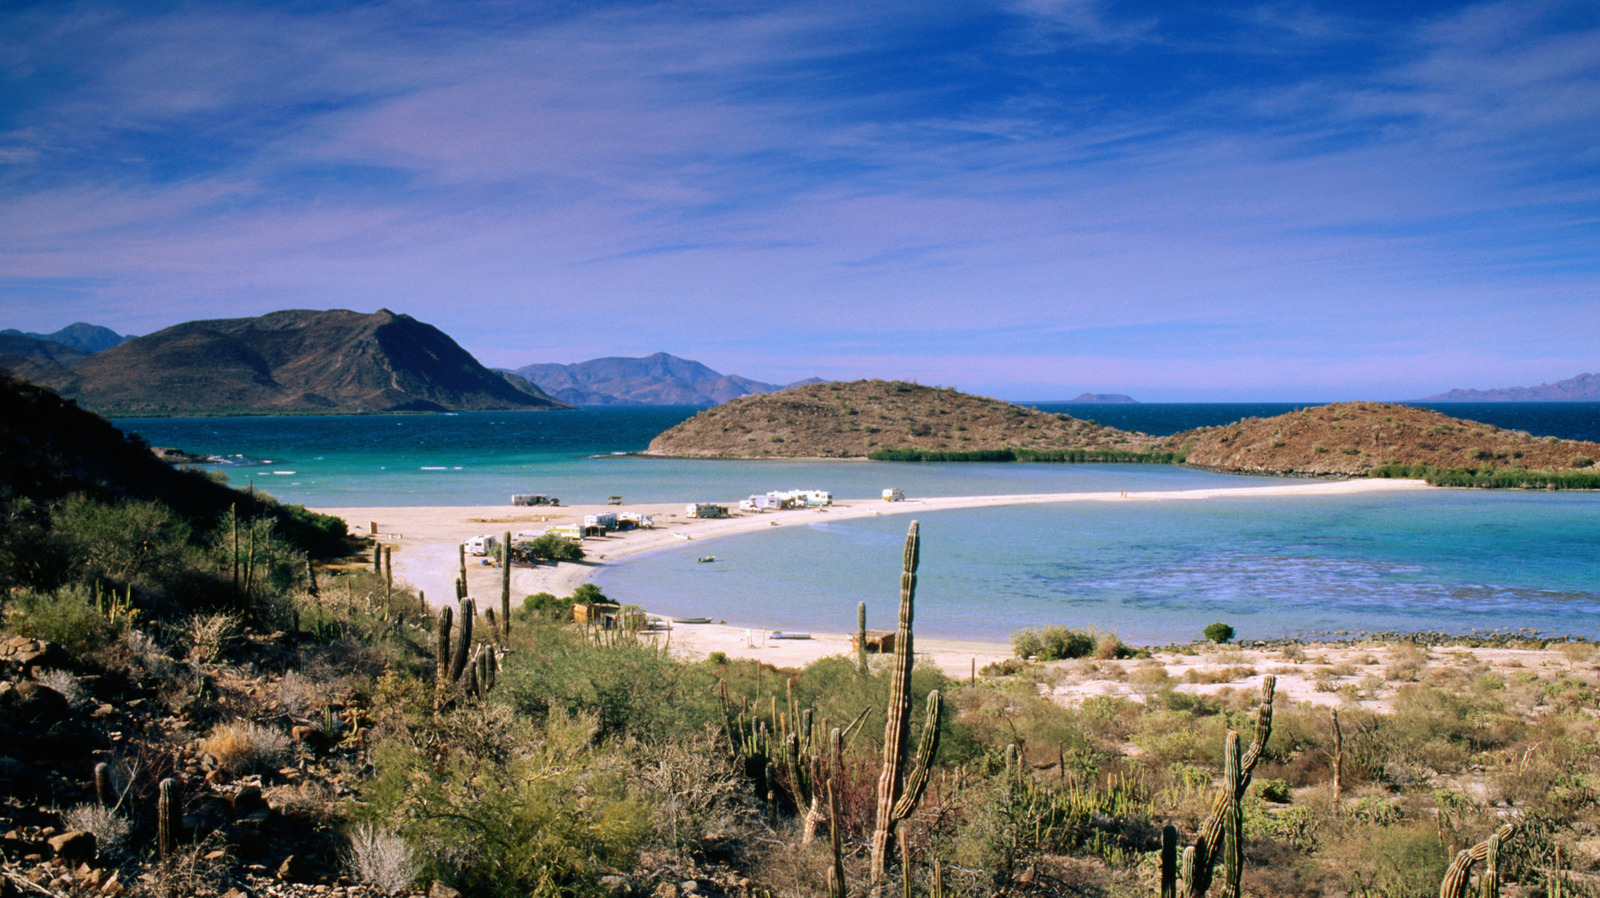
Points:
(894, 494)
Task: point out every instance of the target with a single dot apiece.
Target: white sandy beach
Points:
(425, 541)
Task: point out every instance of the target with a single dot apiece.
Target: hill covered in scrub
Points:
(859, 418)
(290, 362)
(1354, 438)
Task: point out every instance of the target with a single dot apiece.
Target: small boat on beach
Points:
(787, 634)
(703, 559)
(691, 620)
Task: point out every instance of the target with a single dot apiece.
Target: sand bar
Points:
(425, 541)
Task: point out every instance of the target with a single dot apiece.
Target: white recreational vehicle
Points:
(705, 510)
(894, 494)
(768, 502)
(483, 544)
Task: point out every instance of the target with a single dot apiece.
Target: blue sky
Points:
(1027, 199)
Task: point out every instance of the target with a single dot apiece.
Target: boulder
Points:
(24, 654)
(73, 847)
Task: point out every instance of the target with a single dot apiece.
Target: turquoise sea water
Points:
(1153, 572)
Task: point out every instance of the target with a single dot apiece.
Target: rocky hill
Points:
(658, 379)
(1352, 438)
(53, 449)
(86, 338)
(293, 362)
(36, 359)
(855, 419)
(1583, 388)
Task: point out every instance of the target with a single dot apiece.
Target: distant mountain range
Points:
(284, 363)
(1102, 398)
(658, 379)
(1583, 388)
(86, 338)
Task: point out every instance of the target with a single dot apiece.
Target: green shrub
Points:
(501, 806)
(1053, 643)
(1219, 632)
(548, 547)
(1275, 791)
(65, 616)
(544, 606)
(629, 688)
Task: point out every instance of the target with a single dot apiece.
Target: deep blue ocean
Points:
(1450, 560)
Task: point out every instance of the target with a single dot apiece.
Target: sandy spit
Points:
(425, 541)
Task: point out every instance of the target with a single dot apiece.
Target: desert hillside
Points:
(856, 419)
(1352, 438)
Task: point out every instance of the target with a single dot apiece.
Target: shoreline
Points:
(425, 541)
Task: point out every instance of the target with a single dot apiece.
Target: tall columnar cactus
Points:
(169, 819)
(388, 571)
(505, 584)
(835, 764)
(377, 558)
(1454, 884)
(442, 649)
(103, 792)
(1169, 861)
(461, 557)
(1232, 821)
(1208, 843)
(458, 659)
(1338, 758)
(898, 791)
(861, 636)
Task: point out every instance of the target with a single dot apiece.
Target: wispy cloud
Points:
(1374, 202)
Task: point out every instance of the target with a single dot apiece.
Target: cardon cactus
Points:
(1232, 821)
(1207, 845)
(505, 584)
(1454, 884)
(102, 785)
(898, 791)
(861, 636)
(169, 819)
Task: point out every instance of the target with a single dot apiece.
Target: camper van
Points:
(483, 544)
(635, 520)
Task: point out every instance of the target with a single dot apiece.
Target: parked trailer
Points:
(635, 520)
(533, 499)
(483, 544)
(705, 510)
(761, 503)
(894, 494)
(606, 521)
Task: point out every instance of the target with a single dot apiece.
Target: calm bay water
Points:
(1449, 560)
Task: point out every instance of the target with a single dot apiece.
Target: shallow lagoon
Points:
(1450, 560)
(1447, 559)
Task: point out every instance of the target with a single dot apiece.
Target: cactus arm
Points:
(1454, 884)
(1206, 844)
